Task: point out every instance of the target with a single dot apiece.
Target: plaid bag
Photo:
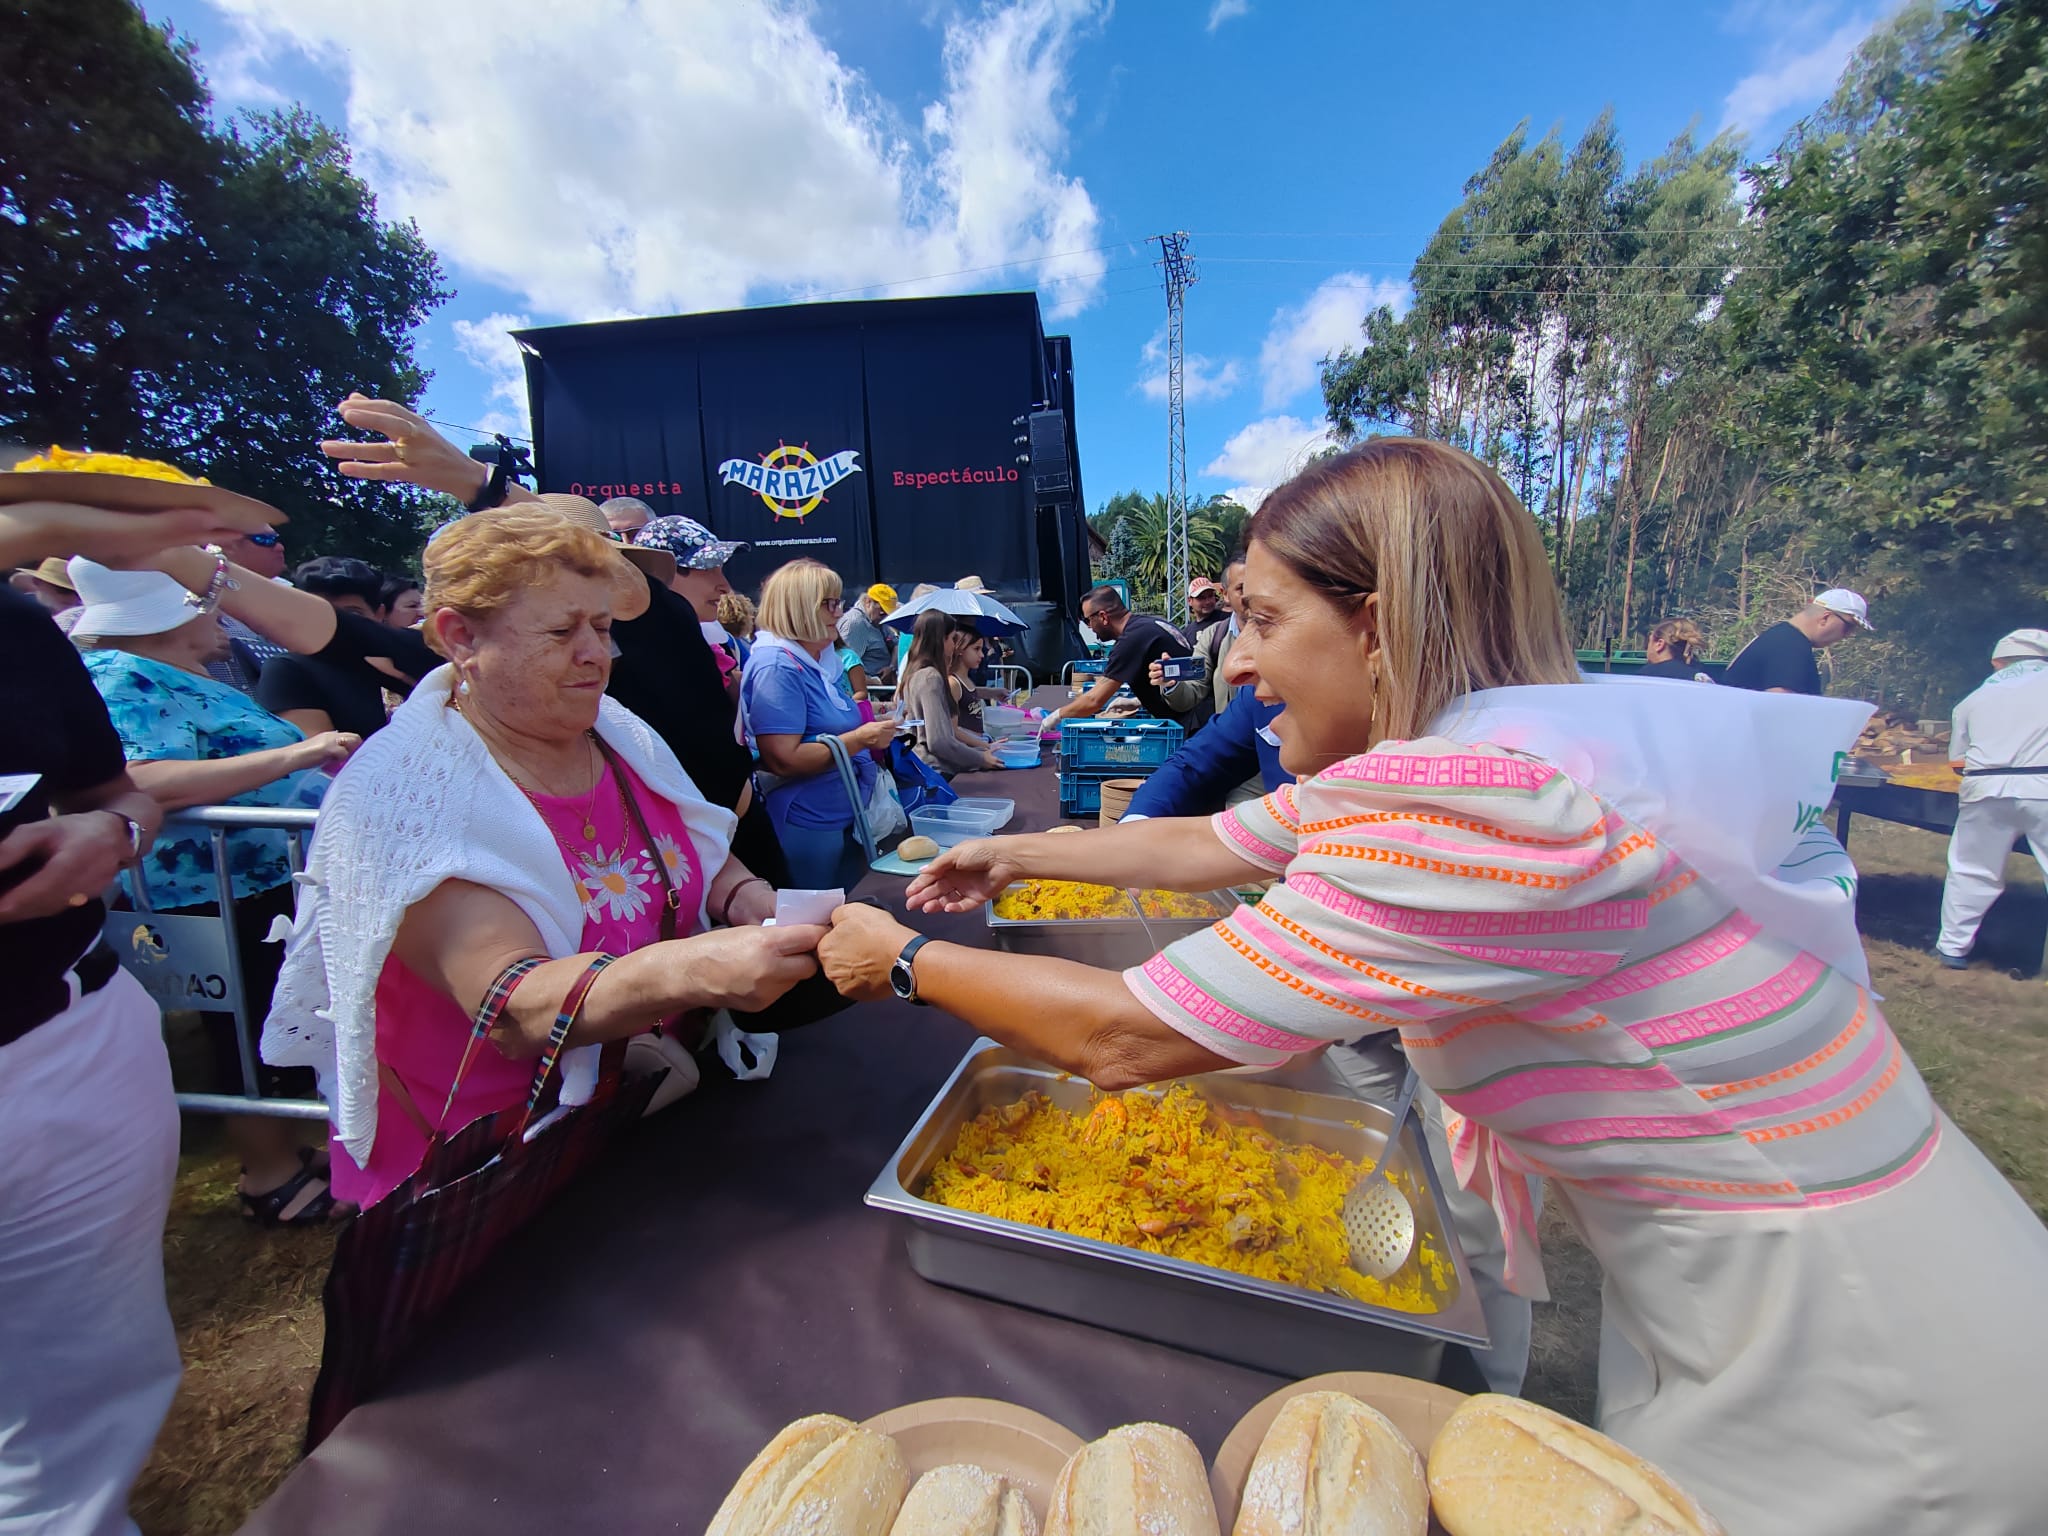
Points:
(399, 1263)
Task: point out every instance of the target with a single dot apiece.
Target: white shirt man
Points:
(2000, 736)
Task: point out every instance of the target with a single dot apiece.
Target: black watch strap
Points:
(493, 493)
(902, 977)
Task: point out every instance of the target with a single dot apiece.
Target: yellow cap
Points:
(884, 594)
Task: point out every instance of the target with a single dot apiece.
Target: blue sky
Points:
(614, 158)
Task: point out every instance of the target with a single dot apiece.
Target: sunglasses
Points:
(265, 540)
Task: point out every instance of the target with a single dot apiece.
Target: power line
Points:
(998, 266)
(1581, 266)
(457, 426)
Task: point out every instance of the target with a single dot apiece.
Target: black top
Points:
(1145, 639)
(57, 727)
(1685, 671)
(665, 673)
(1780, 657)
(339, 678)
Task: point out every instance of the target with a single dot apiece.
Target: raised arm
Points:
(1174, 853)
(411, 453)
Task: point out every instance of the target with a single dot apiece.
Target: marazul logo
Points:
(791, 481)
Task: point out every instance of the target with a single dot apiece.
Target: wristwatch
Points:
(902, 980)
(134, 835)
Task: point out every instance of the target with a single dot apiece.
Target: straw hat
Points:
(53, 571)
(126, 602)
(970, 584)
(658, 563)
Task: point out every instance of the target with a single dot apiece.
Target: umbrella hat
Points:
(990, 617)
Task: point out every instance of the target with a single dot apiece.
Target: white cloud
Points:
(489, 347)
(641, 156)
(1227, 10)
(1265, 453)
(1301, 336)
(1804, 51)
(1249, 496)
(1201, 378)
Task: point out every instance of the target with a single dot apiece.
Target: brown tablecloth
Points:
(623, 1359)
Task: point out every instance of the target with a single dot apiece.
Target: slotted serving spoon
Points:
(1379, 1223)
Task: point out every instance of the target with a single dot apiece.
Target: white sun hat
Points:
(2031, 643)
(127, 602)
(1849, 605)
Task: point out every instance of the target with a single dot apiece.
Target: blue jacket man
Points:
(1214, 761)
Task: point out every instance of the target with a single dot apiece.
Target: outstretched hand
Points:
(963, 877)
(412, 452)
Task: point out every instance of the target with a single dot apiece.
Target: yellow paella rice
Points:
(1070, 900)
(1172, 1175)
(1926, 776)
(65, 461)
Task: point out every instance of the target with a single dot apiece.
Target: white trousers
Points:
(1985, 833)
(88, 1358)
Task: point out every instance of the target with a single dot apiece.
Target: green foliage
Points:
(1714, 411)
(195, 295)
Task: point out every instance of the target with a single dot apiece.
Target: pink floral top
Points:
(421, 1033)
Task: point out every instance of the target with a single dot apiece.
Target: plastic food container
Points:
(961, 820)
(1017, 754)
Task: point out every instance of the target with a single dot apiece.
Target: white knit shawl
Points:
(424, 802)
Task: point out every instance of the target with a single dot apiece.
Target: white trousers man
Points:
(88, 1358)
(1985, 832)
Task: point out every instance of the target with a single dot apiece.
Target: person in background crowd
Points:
(1205, 602)
(550, 779)
(860, 630)
(922, 589)
(626, 516)
(1232, 759)
(319, 694)
(88, 1124)
(399, 600)
(1999, 740)
(50, 585)
(1674, 650)
(1209, 635)
(792, 696)
(699, 579)
(261, 554)
(854, 678)
(665, 671)
(190, 740)
(934, 693)
(736, 615)
(1138, 640)
(1781, 659)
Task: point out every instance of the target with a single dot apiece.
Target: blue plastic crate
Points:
(1081, 789)
(1120, 744)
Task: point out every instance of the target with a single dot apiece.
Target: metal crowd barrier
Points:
(195, 963)
(1023, 674)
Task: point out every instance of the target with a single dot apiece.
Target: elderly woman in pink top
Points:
(514, 832)
(1619, 947)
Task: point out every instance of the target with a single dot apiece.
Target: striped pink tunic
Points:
(1820, 1299)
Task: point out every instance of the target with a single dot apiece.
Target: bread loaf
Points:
(822, 1476)
(964, 1501)
(1332, 1466)
(1504, 1467)
(912, 849)
(1141, 1480)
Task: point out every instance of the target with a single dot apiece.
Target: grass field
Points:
(247, 1304)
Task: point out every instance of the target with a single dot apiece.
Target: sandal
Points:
(268, 1208)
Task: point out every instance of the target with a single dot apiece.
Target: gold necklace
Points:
(590, 801)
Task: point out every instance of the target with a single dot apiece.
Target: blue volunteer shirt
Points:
(784, 697)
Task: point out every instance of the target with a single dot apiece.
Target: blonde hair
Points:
(1684, 637)
(479, 565)
(736, 613)
(1466, 598)
(793, 602)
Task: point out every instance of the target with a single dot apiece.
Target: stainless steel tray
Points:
(1260, 1323)
(1110, 942)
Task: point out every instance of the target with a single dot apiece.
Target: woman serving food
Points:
(1821, 1302)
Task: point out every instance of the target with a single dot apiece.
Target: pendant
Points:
(589, 832)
